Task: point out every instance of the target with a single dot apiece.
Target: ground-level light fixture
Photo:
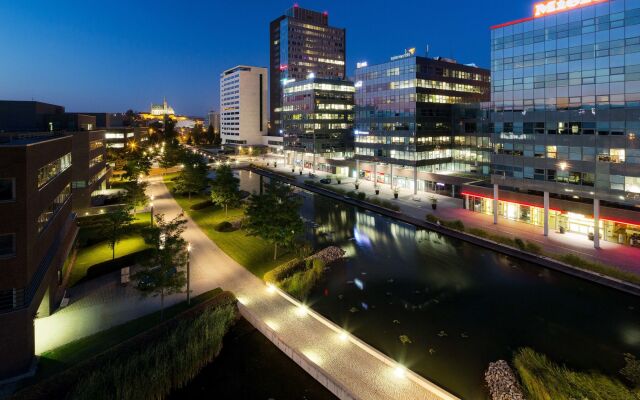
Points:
(399, 371)
(302, 310)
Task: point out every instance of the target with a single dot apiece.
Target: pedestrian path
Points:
(346, 364)
(448, 208)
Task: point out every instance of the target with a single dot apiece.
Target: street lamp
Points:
(189, 274)
(151, 204)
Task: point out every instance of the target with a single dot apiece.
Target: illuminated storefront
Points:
(561, 221)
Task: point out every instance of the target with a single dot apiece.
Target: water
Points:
(460, 306)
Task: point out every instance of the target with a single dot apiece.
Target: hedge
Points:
(109, 266)
(149, 365)
(201, 205)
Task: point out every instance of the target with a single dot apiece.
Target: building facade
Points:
(243, 105)
(213, 120)
(565, 117)
(404, 119)
(37, 232)
(90, 171)
(317, 121)
(301, 42)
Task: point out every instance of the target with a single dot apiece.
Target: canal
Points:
(446, 308)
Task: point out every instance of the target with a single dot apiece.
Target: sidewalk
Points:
(612, 254)
(342, 362)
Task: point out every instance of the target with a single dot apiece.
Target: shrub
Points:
(519, 243)
(543, 379)
(300, 284)
(631, 370)
(284, 271)
(109, 266)
(361, 196)
(533, 248)
(224, 226)
(457, 225)
(201, 205)
(432, 218)
(164, 363)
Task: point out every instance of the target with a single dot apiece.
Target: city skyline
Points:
(115, 68)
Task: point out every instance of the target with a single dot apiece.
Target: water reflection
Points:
(446, 309)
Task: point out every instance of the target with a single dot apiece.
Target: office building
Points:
(213, 120)
(565, 118)
(37, 232)
(301, 42)
(404, 117)
(243, 105)
(90, 171)
(317, 122)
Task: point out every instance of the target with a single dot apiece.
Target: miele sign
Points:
(554, 6)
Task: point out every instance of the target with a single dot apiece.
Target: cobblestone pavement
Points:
(107, 303)
(613, 254)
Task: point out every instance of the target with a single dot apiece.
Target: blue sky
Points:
(115, 55)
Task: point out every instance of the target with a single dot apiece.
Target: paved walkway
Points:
(345, 362)
(613, 254)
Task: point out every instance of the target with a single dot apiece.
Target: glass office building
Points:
(404, 119)
(565, 112)
(317, 122)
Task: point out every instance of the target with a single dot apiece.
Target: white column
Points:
(466, 202)
(596, 223)
(453, 191)
(357, 169)
(375, 174)
(546, 213)
(415, 180)
(391, 173)
(495, 203)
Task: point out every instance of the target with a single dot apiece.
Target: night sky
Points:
(121, 54)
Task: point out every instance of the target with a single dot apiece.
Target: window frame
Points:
(13, 191)
(13, 252)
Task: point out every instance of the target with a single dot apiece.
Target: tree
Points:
(117, 223)
(217, 140)
(274, 215)
(196, 134)
(130, 118)
(171, 156)
(136, 194)
(193, 177)
(225, 189)
(210, 135)
(162, 273)
(137, 163)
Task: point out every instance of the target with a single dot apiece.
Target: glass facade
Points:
(302, 42)
(53, 169)
(565, 113)
(405, 112)
(317, 116)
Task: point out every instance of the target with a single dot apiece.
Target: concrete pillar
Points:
(415, 180)
(546, 214)
(391, 174)
(453, 191)
(375, 173)
(495, 203)
(466, 202)
(596, 223)
(357, 169)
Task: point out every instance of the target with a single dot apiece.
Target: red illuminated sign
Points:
(554, 6)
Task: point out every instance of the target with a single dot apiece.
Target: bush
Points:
(300, 284)
(164, 363)
(543, 379)
(284, 271)
(432, 218)
(533, 248)
(361, 196)
(224, 226)
(457, 225)
(109, 266)
(519, 243)
(631, 370)
(201, 205)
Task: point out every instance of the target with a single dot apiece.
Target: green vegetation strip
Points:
(297, 277)
(543, 379)
(252, 252)
(143, 358)
(531, 247)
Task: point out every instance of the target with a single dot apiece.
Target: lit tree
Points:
(196, 134)
(225, 188)
(274, 215)
(163, 272)
(136, 194)
(193, 177)
(116, 225)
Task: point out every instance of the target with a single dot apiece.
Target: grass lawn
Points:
(97, 253)
(252, 252)
(65, 356)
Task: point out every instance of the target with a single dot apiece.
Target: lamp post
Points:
(151, 204)
(189, 274)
